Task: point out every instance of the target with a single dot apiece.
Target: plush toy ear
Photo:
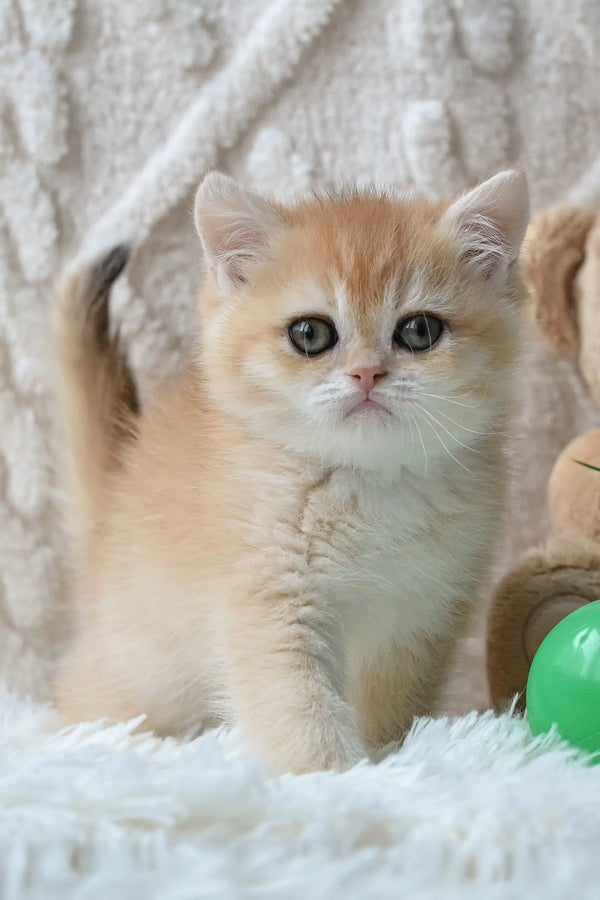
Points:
(553, 252)
(490, 223)
(588, 311)
(236, 228)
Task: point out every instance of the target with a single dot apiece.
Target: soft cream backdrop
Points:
(111, 111)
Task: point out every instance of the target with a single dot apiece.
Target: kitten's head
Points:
(363, 329)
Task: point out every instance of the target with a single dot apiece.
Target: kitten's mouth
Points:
(367, 407)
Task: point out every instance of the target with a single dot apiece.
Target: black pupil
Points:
(418, 332)
(312, 336)
(308, 331)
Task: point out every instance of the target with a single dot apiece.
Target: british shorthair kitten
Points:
(292, 536)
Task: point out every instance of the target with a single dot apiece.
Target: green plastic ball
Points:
(563, 688)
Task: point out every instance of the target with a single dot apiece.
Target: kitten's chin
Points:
(368, 438)
(369, 409)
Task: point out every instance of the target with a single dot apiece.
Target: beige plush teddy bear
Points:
(561, 268)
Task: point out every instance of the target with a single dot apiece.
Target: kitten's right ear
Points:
(490, 221)
(236, 228)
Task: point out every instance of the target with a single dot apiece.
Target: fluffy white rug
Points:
(473, 808)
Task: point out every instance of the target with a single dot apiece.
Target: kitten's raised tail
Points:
(97, 391)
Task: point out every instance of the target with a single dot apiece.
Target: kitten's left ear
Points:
(236, 228)
(490, 222)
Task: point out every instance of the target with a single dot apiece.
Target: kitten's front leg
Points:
(287, 683)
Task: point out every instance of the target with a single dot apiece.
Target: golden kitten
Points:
(293, 535)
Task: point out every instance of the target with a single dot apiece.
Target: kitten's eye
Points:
(312, 336)
(418, 332)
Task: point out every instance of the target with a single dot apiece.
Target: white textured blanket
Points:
(470, 810)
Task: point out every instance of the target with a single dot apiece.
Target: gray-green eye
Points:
(312, 335)
(418, 333)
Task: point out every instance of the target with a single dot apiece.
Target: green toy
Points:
(564, 681)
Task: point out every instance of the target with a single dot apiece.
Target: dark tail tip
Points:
(102, 276)
(110, 267)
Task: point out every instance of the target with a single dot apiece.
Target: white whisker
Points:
(422, 443)
(441, 440)
(476, 431)
(412, 435)
(456, 402)
(449, 433)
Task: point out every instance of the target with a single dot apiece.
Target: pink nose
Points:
(367, 376)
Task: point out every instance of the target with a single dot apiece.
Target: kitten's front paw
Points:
(340, 754)
(336, 756)
(326, 744)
